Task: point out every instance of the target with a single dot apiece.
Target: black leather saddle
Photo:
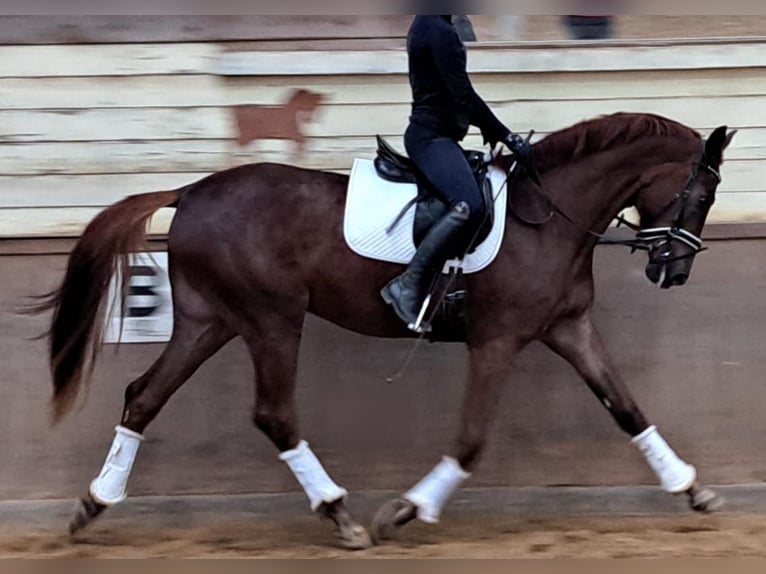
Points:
(395, 167)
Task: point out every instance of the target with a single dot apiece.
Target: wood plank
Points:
(45, 29)
(181, 156)
(63, 222)
(698, 113)
(739, 208)
(500, 58)
(168, 157)
(113, 92)
(199, 28)
(106, 60)
(701, 114)
(203, 90)
(17, 126)
(207, 58)
(29, 191)
(743, 176)
(70, 222)
(205, 156)
(116, 125)
(115, 157)
(310, 63)
(216, 123)
(150, 124)
(99, 190)
(84, 190)
(749, 143)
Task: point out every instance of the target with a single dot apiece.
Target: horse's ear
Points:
(718, 141)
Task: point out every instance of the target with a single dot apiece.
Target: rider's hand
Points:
(522, 151)
(519, 146)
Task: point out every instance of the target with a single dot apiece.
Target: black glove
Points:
(519, 146)
(522, 151)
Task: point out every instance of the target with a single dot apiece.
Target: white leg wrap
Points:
(110, 486)
(675, 475)
(432, 493)
(317, 484)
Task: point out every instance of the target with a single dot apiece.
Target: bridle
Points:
(676, 231)
(645, 239)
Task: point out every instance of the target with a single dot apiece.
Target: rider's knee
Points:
(472, 211)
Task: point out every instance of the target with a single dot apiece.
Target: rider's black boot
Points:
(407, 292)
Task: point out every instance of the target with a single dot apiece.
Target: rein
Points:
(644, 237)
(634, 244)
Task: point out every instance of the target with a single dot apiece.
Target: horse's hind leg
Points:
(197, 334)
(576, 340)
(274, 341)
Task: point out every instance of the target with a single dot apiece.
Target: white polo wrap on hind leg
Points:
(675, 475)
(431, 494)
(316, 483)
(110, 486)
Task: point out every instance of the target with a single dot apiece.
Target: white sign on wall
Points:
(149, 308)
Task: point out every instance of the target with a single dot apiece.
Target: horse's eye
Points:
(706, 200)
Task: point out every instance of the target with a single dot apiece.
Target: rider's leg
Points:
(443, 162)
(407, 291)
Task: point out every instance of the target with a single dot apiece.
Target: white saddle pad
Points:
(373, 203)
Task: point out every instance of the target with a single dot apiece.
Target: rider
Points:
(444, 105)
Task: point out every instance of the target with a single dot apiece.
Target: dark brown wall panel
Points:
(693, 357)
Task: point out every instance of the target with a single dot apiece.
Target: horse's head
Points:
(673, 203)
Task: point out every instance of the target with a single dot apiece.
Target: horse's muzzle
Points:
(669, 274)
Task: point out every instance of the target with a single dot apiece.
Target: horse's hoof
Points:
(355, 537)
(704, 500)
(351, 534)
(390, 517)
(87, 511)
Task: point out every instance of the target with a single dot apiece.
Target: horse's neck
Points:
(594, 189)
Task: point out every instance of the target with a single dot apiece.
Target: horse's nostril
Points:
(680, 279)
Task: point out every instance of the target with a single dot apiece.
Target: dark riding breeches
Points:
(443, 162)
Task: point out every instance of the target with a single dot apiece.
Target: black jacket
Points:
(443, 96)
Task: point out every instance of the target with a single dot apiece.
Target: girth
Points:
(430, 207)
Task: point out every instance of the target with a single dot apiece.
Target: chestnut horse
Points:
(254, 248)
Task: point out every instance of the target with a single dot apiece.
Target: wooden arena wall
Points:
(91, 112)
(85, 124)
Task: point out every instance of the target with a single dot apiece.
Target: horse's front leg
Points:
(577, 340)
(489, 367)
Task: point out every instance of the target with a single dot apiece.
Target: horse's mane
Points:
(603, 133)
